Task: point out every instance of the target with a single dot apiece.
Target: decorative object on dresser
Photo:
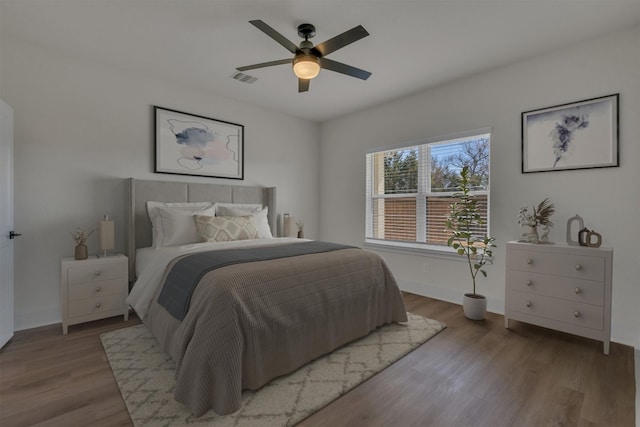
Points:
(93, 289)
(584, 236)
(541, 216)
(464, 217)
(566, 288)
(580, 225)
(578, 135)
(80, 236)
(107, 235)
(300, 226)
(187, 144)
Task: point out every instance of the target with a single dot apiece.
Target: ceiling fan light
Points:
(306, 66)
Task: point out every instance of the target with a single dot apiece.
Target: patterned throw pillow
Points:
(226, 228)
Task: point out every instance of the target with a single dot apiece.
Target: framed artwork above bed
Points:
(188, 144)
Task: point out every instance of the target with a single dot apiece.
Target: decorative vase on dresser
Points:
(566, 288)
(93, 289)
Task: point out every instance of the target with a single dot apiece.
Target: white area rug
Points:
(145, 376)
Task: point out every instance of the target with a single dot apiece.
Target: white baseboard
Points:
(445, 294)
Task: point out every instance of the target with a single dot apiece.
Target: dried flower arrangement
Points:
(81, 235)
(541, 214)
(300, 225)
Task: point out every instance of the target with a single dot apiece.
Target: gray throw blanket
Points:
(187, 272)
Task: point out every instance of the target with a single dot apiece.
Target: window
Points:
(409, 189)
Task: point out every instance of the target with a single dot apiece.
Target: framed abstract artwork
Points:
(578, 135)
(187, 144)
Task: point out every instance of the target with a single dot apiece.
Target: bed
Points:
(268, 307)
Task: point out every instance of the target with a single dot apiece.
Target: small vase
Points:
(300, 234)
(81, 252)
(532, 235)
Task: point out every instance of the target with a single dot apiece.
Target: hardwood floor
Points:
(471, 374)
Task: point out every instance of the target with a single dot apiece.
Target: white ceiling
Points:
(414, 45)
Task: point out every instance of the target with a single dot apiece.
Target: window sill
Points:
(442, 252)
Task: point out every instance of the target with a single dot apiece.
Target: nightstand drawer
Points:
(96, 305)
(95, 289)
(569, 265)
(584, 315)
(95, 271)
(584, 291)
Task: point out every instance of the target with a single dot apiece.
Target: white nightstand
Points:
(94, 288)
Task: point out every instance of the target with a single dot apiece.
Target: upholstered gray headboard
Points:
(140, 191)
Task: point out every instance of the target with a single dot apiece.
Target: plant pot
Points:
(474, 306)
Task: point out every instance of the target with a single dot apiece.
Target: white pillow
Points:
(257, 211)
(173, 223)
(226, 228)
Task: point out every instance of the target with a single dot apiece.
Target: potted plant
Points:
(463, 219)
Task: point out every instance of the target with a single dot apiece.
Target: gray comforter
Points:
(249, 323)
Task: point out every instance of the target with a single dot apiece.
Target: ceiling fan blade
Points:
(339, 67)
(341, 40)
(303, 85)
(262, 26)
(265, 64)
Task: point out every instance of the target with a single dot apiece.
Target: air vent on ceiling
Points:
(245, 78)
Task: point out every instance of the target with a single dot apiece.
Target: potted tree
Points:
(463, 220)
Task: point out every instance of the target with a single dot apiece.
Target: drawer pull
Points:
(529, 261)
(578, 290)
(98, 289)
(98, 305)
(578, 267)
(97, 273)
(529, 283)
(528, 304)
(576, 314)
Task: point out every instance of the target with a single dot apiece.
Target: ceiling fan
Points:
(309, 59)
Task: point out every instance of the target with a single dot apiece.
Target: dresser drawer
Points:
(573, 313)
(567, 264)
(97, 305)
(584, 291)
(95, 289)
(92, 272)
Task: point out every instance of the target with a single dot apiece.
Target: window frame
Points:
(424, 184)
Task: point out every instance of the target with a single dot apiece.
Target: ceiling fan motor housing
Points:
(306, 31)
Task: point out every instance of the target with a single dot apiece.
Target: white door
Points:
(6, 223)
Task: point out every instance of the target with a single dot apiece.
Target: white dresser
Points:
(94, 288)
(561, 287)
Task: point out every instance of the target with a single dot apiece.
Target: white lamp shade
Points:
(289, 227)
(107, 235)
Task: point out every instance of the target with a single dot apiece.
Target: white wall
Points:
(608, 199)
(81, 128)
